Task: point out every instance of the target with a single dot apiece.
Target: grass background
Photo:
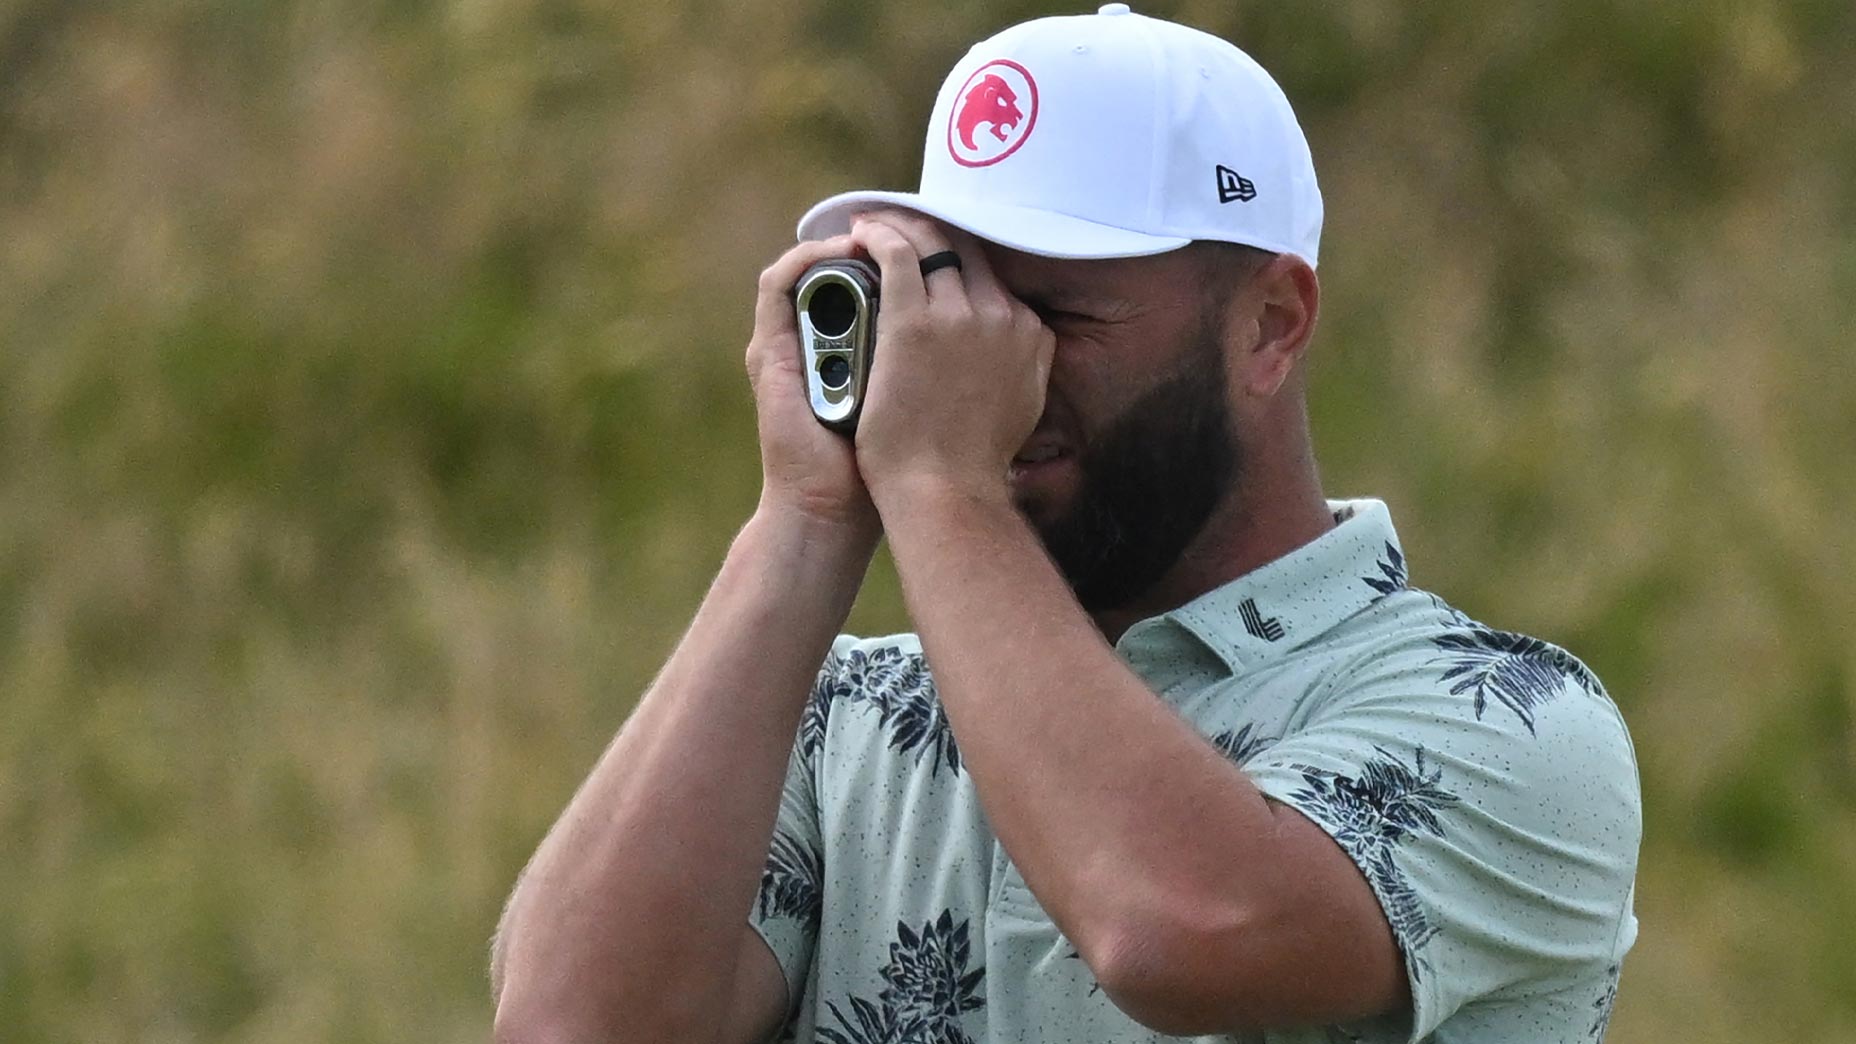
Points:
(371, 420)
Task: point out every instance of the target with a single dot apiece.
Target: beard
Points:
(1149, 481)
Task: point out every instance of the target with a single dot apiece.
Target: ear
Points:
(1281, 305)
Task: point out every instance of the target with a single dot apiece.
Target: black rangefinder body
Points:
(836, 305)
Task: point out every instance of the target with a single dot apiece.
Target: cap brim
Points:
(1041, 232)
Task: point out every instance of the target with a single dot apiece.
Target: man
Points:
(1177, 750)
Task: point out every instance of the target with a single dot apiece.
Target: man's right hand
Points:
(806, 468)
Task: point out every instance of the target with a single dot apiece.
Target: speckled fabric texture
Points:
(1482, 780)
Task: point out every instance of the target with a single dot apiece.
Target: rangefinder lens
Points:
(835, 371)
(832, 309)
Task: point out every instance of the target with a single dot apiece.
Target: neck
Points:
(1275, 507)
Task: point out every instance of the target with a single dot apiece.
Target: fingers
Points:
(773, 308)
(976, 272)
(899, 239)
(927, 238)
(973, 284)
(897, 259)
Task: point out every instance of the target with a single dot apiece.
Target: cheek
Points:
(1080, 381)
(1096, 374)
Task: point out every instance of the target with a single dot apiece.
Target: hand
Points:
(961, 368)
(805, 468)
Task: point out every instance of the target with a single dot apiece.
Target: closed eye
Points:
(1050, 314)
(1053, 316)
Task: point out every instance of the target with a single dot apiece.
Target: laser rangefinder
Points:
(836, 306)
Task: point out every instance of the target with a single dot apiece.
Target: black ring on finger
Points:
(937, 261)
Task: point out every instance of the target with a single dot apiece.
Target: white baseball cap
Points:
(1108, 135)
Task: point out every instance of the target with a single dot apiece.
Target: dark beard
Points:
(1150, 481)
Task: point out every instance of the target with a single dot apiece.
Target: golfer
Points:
(1176, 749)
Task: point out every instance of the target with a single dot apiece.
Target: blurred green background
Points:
(371, 421)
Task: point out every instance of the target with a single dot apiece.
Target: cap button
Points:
(1113, 9)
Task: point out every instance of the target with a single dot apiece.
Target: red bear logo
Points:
(1000, 96)
(990, 101)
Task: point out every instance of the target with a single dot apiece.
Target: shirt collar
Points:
(1298, 597)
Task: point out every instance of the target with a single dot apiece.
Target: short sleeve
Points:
(786, 910)
(1493, 806)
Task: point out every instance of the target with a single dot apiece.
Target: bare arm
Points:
(634, 909)
(631, 919)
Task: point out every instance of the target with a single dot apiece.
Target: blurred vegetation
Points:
(371, 421)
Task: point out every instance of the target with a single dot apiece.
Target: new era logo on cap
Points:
(1234, 187)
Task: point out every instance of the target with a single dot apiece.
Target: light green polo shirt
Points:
(1482, 781)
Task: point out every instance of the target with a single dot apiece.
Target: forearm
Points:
(633, 907)
(1099, 792)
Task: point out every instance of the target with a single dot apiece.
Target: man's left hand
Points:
(960, 372)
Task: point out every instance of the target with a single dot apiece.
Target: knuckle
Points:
(771, 278)
(906, 325)
(881, 234)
